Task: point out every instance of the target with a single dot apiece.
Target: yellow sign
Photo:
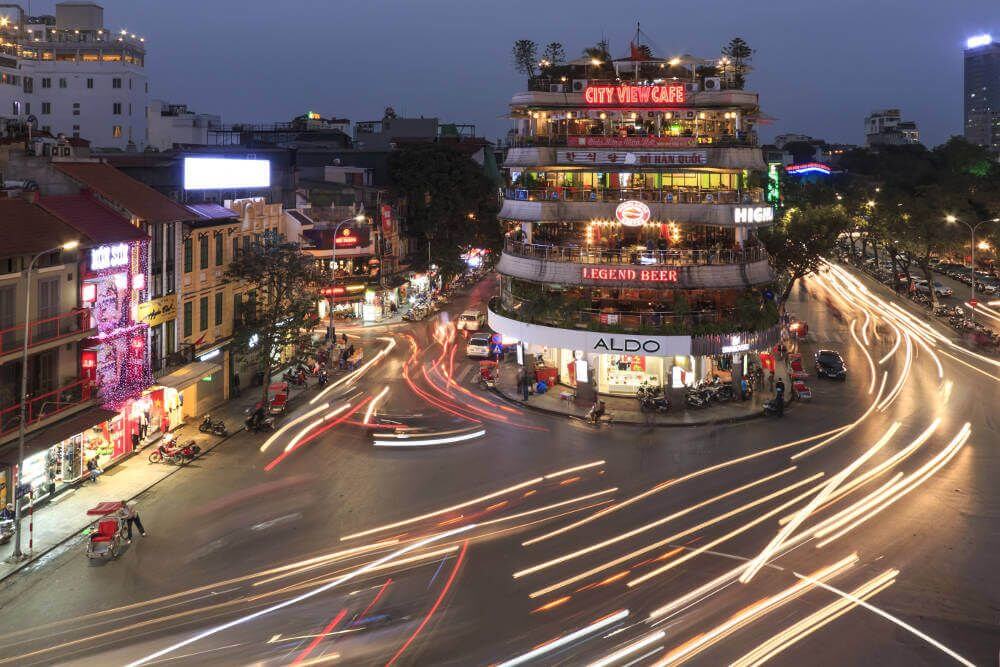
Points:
(158, 311)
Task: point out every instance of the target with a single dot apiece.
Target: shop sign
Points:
(609, 343)
(629, 275)
(158, 311)
(749, 214)
(386, 211)
(109, 256)
(735, 345)
(632, 213)
(626, 94)
(638, 158)
(632, 142)
(347, 239)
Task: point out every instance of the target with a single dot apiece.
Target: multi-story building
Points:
(633, 255)
(886, 127)
(170, 125)
(982, 92)
(69, 74)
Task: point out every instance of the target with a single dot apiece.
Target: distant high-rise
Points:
(982, 91)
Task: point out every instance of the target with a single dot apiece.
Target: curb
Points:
(709, 422)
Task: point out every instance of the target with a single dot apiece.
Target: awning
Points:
(184, 377)
(43, 438)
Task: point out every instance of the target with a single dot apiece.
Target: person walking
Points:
(131, 517)
(770, 380)
(744, 389)
(236, 384)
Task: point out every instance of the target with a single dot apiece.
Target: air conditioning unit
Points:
(691, 87)
(713, 83)
(579, 85)
(557, 88)
(689, 115)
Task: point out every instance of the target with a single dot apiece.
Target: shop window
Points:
(218, 309)
(203, 252)
(188, 255)
(203, 314)
(188, 318)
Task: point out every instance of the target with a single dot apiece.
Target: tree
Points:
(525, 54)
(600, 54)
(798, 242)
(451, 203)
(740, 54)
(282, 284)
(554, 53)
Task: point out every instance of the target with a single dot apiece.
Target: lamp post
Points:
(17, 554)
(359, 218)
(950, 219)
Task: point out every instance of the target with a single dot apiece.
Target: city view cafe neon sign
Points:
(628, 94)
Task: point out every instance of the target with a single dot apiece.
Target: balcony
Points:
(45, 332)
(630, 158)
(637, 256)
(648, 195)
(49, 404)
(637, 142)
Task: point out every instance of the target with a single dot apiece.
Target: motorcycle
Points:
(6, 530)
(695, 399)
(323, 378)
(175, 455)
(659, 404)
(257, 424)
(215, 426)
(296, 379)
(773, 409)
(597, 412)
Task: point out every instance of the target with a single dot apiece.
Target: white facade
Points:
(168, 124)
(70, 75)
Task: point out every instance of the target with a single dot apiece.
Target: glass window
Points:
(236, 247)
(188, 255)
(203, 314)
(116, 83)
(218, 309)
(116, 130)
(188, 318)
(62, 83)
(203, 252)
(218, 249)
(116, 108)
(46, 108)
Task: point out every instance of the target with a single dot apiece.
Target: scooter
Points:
(695, 399)
(772, 409)
(296, 379)
(659, 404)
(216, 426)
(177, 456)
(323, 378)
(258, 424)
(6, 530)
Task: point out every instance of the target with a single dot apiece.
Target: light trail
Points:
(434, 607)
(304, 432)
(559, 642)
(903, 376)
(886, 615)
(648, 526)
(374, 402)
(754, 566)
(626, 651)
(897, 340)
(873, 374)
(566, 471)
(452, 508)
(427, 442)
(864, 328)
(847, 429)
(354, 375)
(545, 508)
(301, 418)
(320, 637)
(295, 600)
(378, 596)
(443, 551)
(810, 624)
(700, 642)
(684, 533)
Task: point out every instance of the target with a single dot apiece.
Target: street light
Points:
(951, 220)
(359, 218)
(17, 555)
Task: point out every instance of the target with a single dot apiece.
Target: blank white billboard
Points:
(221, 173)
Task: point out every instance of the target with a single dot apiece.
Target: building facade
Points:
(69, 74)
(632, 256)
(886, 127)
(982, 92)
(169, 125)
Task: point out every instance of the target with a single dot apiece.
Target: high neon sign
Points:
(610, 94)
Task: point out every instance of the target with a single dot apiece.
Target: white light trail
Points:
(871, 364)
(373, 403)
(354, 375)
(847, 429)
(299, 598)
(277, 434)
(629, 650)
(427, 442)
(304, 432)
(585, 466)
(566, 639)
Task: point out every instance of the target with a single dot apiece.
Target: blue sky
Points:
(820, 67)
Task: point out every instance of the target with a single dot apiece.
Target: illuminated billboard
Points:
(221, 173)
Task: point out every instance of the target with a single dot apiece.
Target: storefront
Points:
(194, 389)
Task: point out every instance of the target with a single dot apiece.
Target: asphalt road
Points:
(431, 577)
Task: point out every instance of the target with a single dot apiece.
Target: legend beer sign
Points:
(598, 274)
(632, 95)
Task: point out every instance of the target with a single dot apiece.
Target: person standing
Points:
(131, 517)
(236, 384)
(93, 469)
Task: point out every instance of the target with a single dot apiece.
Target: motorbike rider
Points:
(597, 410)
(7, 513)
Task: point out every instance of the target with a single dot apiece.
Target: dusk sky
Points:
(819, 67)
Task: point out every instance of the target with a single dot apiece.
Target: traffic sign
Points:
(973, 302)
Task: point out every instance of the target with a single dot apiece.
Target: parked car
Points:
(470, 320)
(920, 284)
(478, 346)
(830, 364)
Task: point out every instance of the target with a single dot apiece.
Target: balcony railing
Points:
(720, 322)
(592, 255)
(44, 330)
(656, 195)
(633, 142)
(46, 405)
(161, 365)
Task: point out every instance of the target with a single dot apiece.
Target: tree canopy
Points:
(451, 203)
(525, 55)
(740, 54)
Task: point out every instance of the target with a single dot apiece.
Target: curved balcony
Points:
(667, 269)
(648, 195)
(657, 334)
(704, 98)
(729, 157)
(718, 215)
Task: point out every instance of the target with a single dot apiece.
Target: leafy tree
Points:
(740, 54)
(599, 52)
(525, 55)
(451, 203)
(800, 239)
(284, 283)
(554, 53)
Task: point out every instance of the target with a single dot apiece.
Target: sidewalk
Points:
(65, 516)
(624, 410)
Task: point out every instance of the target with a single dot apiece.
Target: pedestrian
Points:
(343, 337)
(135, 440)
(770, 380)
(7, 513)
(744, 389)
(93, 469)
(144, 425)
(236, 384)
(131, 517)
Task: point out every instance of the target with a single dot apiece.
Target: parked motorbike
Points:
(772, 409)
(659, 404)
(175, 455)
(215, 426)
(322, 379)
(256, 424)
(296, 379)
(694, 398)
(6, 530)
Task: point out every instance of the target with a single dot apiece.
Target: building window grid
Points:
(203, 253)
(188, 318)
(218, 308)
(203, 314)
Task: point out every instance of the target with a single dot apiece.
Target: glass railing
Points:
(637, 256)
(614, 195)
